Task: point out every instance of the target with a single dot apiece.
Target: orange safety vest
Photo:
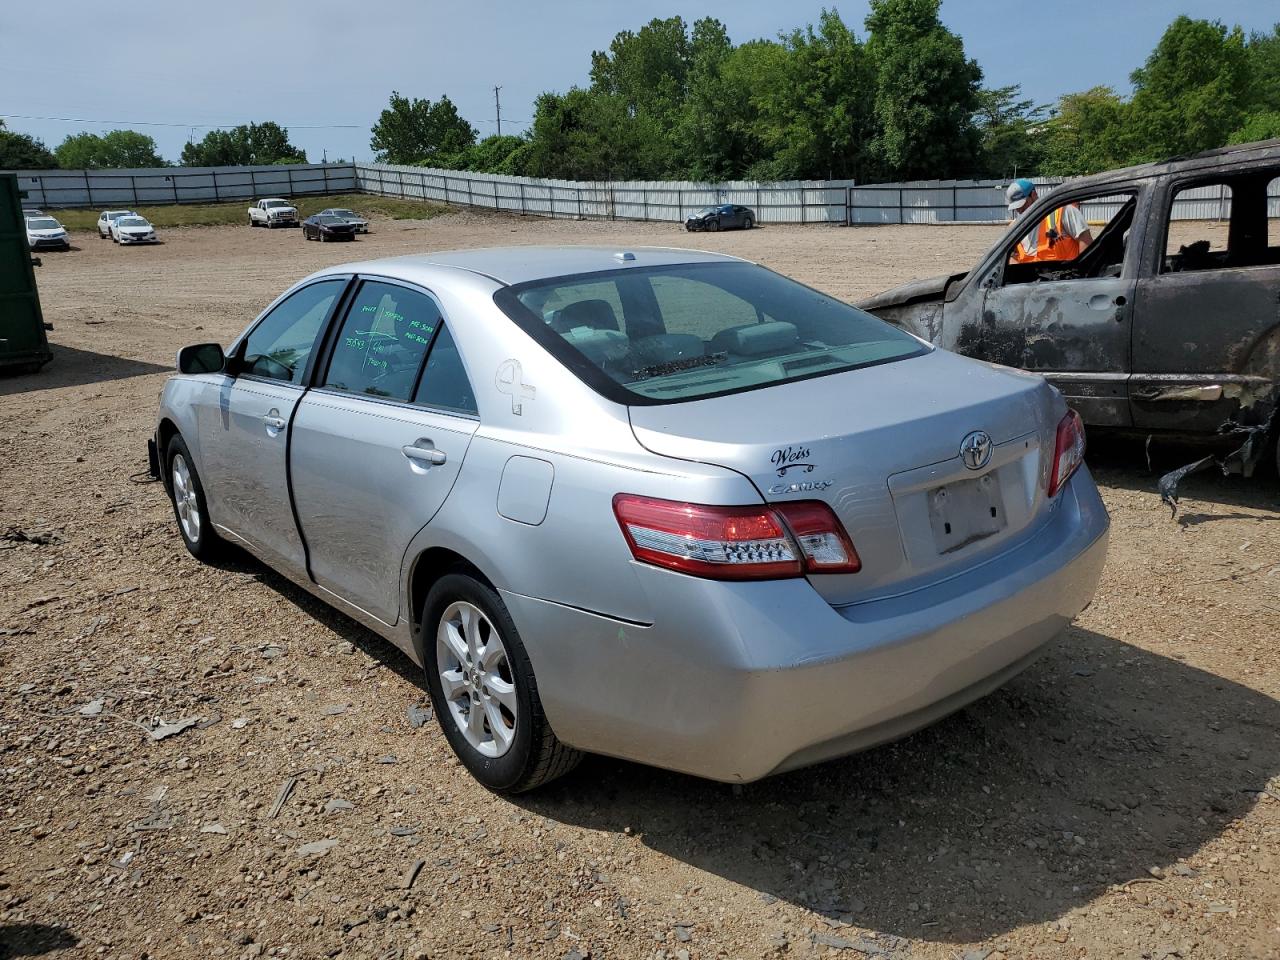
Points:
(1052, 242)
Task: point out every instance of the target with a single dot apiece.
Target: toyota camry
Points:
(658, 504)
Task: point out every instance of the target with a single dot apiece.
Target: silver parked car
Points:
(663, 505)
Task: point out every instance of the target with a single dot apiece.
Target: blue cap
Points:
(1017, 193)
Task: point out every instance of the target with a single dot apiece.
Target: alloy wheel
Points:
(184, 498)
(476, 678)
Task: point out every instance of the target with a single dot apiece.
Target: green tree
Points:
(1263, 55)
(18, 151)
(1012, 132)
(1192, 92)
(716, 136)
(413, 131)
(1088, 132)
(117, 150)
(926, 92)
(1259, 126)
(582, 135)
(497, 154)
(245, 145)
(818, 106)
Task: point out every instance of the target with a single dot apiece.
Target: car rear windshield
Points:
(665, 334)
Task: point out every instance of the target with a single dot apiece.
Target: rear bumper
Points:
(736, 681)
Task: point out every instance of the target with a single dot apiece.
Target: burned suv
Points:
(1166, 322)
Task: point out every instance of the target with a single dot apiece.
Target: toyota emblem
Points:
(975, 450)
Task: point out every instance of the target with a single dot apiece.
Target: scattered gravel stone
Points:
(166, 730)
(316, 847)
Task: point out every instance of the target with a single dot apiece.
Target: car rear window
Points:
(665, 334)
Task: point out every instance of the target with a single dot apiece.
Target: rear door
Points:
(244, 423)
(378, 443)
(1207, 332)
(1069, 321)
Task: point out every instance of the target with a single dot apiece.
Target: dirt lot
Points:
(1119, 799)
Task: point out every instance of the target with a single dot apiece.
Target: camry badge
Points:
(975, 450)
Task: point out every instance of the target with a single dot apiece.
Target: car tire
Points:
(713, 225)
(189, 506)
(748, 223)
(461, 620)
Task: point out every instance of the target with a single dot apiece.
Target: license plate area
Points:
(965, 511)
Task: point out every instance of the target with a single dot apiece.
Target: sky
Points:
(325, 68)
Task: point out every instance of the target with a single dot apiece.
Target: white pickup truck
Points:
(273, 212)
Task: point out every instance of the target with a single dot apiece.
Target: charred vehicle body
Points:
(1156, 331)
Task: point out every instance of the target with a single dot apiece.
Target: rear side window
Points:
(444, 381)
(278, 347)
(688, 331)
(383, 339)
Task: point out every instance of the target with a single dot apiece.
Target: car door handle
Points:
(429, 455)
(274, 422)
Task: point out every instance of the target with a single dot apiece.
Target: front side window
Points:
(687, 331)
(279, 346)
(380, 347)
(1084, 238)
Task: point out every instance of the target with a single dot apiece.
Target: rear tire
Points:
(748, 223)
(189, 505)
(492, 716)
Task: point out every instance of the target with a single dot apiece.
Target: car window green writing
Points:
(382, 342)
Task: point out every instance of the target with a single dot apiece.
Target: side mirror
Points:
(201, 358)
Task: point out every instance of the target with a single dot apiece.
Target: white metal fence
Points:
(127, 188)
(810, 201)
(787, 202)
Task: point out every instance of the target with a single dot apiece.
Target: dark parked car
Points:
(724, 216)
(1164, 324)
(324, 226)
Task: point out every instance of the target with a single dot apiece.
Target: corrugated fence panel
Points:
(127, 188)
(672, 201)
(807, 201)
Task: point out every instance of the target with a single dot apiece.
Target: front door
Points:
(378, 444)
(244, 428)
(1210, 307)
(1071, 320)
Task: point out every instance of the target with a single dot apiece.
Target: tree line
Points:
(245, 145)
(903, 101)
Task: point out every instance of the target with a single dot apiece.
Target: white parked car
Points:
(107, 218)
(46, 233)
(273, 212)
(133, 229)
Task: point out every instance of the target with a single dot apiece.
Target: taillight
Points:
(736, 543)
(1068, 451)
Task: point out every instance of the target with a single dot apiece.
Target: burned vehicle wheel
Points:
(189, 504)
(484, 691)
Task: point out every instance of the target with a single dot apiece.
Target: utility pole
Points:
(497, 105)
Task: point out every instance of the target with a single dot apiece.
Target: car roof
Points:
(1206, 161)
(512, 265)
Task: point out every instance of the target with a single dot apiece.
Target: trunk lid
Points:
(882, 446)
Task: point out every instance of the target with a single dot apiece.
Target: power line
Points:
(194, 126)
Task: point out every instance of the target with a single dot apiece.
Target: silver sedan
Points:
(662, 505)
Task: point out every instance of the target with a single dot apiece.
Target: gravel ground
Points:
(1119, 799)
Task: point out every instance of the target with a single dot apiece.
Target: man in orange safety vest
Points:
(1061, 235)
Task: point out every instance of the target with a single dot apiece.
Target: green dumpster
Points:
(23, 346)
